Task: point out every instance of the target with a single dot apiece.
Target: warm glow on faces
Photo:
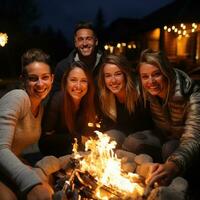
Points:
(77, 84)
(38, 80)
(85, 41)
(153, 81)
(114, 79)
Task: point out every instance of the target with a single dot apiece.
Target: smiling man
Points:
(86, 50)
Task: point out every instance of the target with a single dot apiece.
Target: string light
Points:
(182, 30)
(120, 46)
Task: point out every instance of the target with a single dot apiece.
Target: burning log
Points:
(82, 184)
(100, 174)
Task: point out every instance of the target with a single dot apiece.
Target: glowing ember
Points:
(3, 39)
(103, 164)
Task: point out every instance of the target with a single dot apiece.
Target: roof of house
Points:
(179, 11)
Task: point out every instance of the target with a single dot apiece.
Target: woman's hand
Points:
(162, 174)
(40, 192)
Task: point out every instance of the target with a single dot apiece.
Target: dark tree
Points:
(17, 15)
(17, 18)
(100, 26)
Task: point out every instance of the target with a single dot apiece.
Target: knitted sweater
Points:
(18, 129)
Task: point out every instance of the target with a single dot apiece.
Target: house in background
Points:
(174, 28)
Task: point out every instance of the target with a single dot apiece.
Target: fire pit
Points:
(103, 173)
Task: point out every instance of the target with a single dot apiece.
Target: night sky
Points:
(64, 14)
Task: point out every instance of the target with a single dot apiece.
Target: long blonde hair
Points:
(159, 60)
(106, 97)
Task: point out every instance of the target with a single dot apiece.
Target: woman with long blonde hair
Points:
(121, 107)
(175, 105)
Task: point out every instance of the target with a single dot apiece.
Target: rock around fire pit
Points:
(84, 184)
(104, 173)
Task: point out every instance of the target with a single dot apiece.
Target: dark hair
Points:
(84, 25)
(87, 107)
(34, 55)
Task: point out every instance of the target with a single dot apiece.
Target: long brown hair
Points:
(86, 112)
(107, 98)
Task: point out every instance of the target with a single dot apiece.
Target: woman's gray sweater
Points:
(18, 130)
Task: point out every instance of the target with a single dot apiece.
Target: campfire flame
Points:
(103, 164)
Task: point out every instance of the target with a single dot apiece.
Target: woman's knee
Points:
(141, 142)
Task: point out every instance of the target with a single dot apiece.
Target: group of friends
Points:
(153, 109)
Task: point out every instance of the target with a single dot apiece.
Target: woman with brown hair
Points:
(21, 112)
(69, 112)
